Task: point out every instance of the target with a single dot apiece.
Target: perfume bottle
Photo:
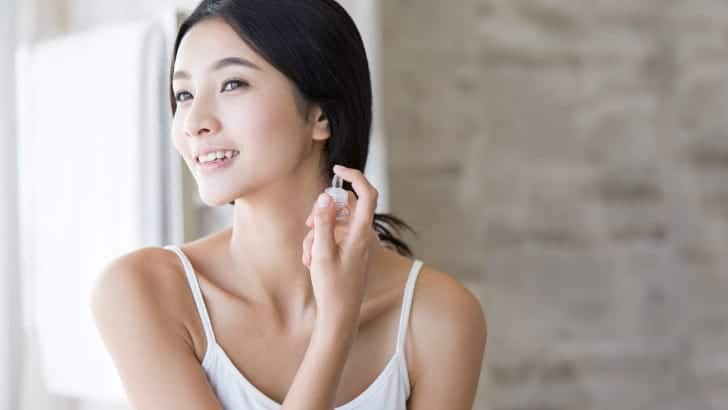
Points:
(340, 196)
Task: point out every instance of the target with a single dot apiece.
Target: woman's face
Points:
(242, 104)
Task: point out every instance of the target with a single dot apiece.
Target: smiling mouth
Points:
(217, 160)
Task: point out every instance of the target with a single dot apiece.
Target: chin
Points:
(216, 199)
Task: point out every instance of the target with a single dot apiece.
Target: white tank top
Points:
(389, 391)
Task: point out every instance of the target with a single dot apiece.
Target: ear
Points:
(321, 129)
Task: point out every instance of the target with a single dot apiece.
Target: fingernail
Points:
(324, 200)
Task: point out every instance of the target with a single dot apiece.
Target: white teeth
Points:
(217, 155)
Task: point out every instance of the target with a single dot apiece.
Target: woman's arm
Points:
(447, 335)
(338, 267)
(317, 379)
(153, 354)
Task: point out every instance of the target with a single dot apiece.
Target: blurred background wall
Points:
(567, 161)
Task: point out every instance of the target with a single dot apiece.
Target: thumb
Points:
(324, 244)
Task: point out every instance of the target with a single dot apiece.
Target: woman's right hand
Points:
(337, 251)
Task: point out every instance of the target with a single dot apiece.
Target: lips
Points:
(216, 165)
(203, 153)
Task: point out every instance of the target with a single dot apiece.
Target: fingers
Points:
(351, 204)
(359, 228)
(363, 218)
(324, 243)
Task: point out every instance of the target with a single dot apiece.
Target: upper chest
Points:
(269, 357)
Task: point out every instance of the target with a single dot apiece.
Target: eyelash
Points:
(241, 82)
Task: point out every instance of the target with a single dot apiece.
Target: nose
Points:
(200, 121)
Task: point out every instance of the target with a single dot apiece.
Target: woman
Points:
(289, 307)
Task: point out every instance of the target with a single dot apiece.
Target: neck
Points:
(266, 242)
(265, 246)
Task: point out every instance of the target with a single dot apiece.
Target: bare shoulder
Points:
(149, 272)
(448, 323)
(440, 302)
(140, 317)
(144, 283)
(443, 304)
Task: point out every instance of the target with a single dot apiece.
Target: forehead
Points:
(210, 40)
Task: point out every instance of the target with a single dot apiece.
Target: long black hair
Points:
(317, 45)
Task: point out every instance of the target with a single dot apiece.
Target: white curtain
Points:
(10, 314)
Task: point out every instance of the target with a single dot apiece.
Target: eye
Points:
(177, 96)
(238, 82)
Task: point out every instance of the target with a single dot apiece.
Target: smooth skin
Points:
(305, 306)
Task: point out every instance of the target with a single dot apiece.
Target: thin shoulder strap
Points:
(407, 304)
(196, 293)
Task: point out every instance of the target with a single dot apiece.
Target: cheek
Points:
(264, 129)
(268, 130)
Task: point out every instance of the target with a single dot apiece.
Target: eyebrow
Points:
(225, 62)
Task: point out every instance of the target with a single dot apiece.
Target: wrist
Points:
(336, 326)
